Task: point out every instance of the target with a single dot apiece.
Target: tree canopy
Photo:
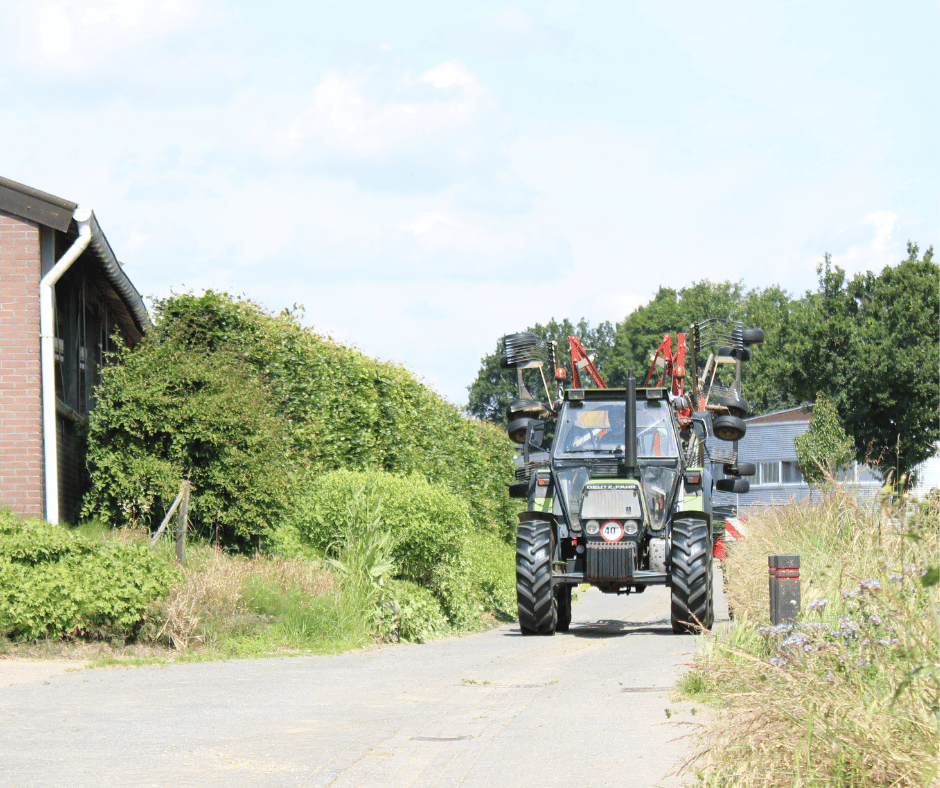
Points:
(869, 343)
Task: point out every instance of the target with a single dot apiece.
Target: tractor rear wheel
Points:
(538, 611)
(563, 606)
(693, 606)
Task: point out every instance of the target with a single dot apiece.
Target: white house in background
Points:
(769, 444)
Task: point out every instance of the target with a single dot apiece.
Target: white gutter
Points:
(83, 216)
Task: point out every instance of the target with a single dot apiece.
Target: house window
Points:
(770, 473)
(790, 472)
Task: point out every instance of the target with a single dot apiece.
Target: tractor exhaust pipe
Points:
(629, 438)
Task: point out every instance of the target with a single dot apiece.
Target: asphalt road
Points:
(586, 708)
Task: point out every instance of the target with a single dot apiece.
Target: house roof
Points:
(51, 211)
(35, 205)
(799, 413)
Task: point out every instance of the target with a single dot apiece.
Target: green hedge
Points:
(429, 523)
(57, 583)
(469, 572)
(167, 411)
(339, 410)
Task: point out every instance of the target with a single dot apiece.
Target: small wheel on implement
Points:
(736, 407)
(517, 429)
(729, 428)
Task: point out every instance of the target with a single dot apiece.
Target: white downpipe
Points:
(47, 359)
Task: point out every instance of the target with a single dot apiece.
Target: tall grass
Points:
(222, 601)
(849, 694)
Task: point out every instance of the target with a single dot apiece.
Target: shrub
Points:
(430, 524)
(824, 449)
(166, 412)
(57, 583)
(416, 615)
(491, 564)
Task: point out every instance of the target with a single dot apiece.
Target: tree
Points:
(166, 412)
(495, 387)
(672, 311)
(824, 449)
(870, 344)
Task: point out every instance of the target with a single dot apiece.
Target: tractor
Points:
(619, 481)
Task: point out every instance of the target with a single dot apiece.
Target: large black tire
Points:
(538, 611)
(693, 607)
(563, 606)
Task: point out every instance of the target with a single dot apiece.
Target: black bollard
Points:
(784, 587)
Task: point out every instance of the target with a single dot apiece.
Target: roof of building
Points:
(35, 205)
(799, 413)
(51, 211)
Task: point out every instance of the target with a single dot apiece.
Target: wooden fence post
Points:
(182, 524)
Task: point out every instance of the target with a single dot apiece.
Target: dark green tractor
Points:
(619, 496)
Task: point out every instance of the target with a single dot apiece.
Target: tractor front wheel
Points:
(538, 611)
(693, 606)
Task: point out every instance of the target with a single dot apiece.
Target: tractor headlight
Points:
(631, 527)
(592, 527)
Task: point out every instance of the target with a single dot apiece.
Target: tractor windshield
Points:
(598, 427)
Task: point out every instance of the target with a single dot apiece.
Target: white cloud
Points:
(444, 245)
(411, 133)
(883, 222)
(433, 230)
(881, 246)
(78, 35)
(343, 117)
(448, 75)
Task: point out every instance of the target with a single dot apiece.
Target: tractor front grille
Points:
(610, 561)
(604, 469)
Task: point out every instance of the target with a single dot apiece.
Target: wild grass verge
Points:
(849, 694)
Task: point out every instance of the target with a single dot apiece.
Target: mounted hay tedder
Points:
(619, 482)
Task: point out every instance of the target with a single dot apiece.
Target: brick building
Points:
(63, 297)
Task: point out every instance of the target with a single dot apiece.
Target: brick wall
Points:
(21, 457)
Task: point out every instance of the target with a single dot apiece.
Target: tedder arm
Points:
(580, 361)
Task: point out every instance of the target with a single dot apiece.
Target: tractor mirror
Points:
(534, 436)
(519, 490)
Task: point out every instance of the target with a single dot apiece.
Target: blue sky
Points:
(426, 177)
